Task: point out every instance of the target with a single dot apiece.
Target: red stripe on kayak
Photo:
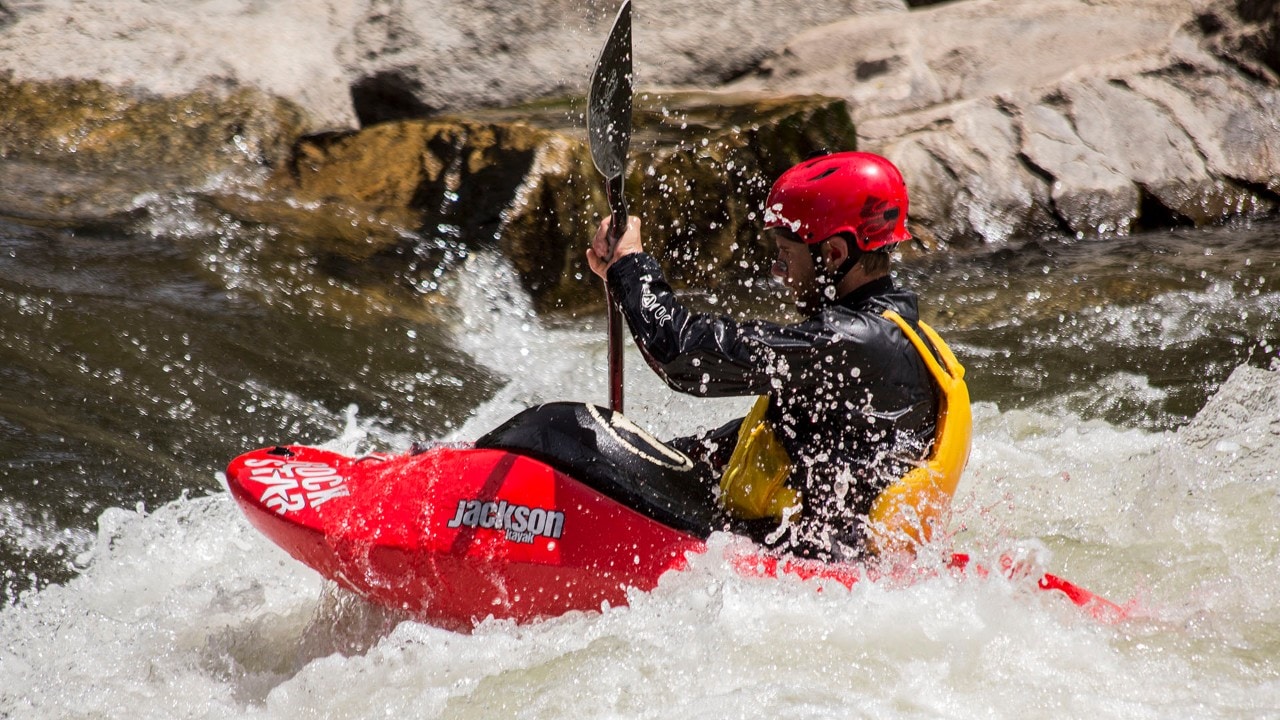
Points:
(1096, 605)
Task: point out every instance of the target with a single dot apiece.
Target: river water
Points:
(1127, 419)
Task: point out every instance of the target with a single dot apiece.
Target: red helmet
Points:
(853, 192)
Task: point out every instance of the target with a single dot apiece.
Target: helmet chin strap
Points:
(828, 281)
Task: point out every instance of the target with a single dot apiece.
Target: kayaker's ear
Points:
(837, 251)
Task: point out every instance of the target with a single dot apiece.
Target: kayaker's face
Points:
(793, 267)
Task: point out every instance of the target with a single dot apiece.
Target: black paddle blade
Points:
(609, 100)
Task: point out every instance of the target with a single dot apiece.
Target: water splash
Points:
(186, 611)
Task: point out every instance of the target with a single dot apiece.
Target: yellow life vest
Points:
(753, 485)
(905, 514)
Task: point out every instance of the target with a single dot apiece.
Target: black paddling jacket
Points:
(849, 397)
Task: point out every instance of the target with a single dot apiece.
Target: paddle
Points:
(609, 133)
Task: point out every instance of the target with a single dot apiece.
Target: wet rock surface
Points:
(354, 133)
(396, 199)
(290, 50)
(80, 151)
(346, 62)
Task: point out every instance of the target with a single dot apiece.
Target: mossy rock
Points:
(698, 176)
(521, 180)
(390, 207)
(390, 204)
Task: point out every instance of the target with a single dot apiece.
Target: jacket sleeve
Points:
(698, 353)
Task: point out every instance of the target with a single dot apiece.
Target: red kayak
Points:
(565, 507)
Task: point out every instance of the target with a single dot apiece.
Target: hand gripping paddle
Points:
(609, 133)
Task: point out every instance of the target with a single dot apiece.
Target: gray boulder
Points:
(288, 50)
(1089, 194)
(444, 56)
(1009, 117)
(1018, 117)
(347, 61)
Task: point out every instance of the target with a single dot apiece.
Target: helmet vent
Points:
(823, 174)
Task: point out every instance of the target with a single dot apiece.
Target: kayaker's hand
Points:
(629, 243)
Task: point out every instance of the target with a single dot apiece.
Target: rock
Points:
(889, 65)
(1142, 142)
(936, 193)
(990, 192)
(1009, 117)
(79, 150)
(706, 41)
(1267, 16)
(1235, 437)
(396, 202)
(699, 175)
(1020, 117)
(1244, 32)
(450, 56)
(348, 63)
(1087, 193)
(291, 50)
(1238, 134)
(45, 194)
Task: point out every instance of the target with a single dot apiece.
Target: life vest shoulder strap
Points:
(944, 374)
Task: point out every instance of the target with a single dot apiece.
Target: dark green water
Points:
(133, 365)
(1138, 331)
(130, 374)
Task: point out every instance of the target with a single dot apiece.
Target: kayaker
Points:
(847, 405)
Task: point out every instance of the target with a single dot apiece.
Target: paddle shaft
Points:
(617, 226)
(609, 134)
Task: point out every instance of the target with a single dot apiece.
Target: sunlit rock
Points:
(291, 50)
(395, 205)
(1087, 192)
(355, 62)
(968, 182)
(1242, 419)
(1140, 141)
(1021, 117)
(451, 56)
(1238, 133)
(1009, 119)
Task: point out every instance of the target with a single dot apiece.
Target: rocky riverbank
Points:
(380, 137)
(1014, 118)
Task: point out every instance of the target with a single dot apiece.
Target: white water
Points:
(186, 611)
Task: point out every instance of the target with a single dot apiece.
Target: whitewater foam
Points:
(187, 611)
